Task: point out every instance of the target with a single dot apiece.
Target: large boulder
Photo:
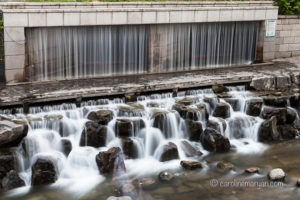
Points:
(276, 175)
(267, 131)
(131, 110)
(224, 166)
(217, 89)
(186, 112)
(101, 116)
(263, 83)
(189, 150)
(213, 141)
(222, 110)
(287, 131)
(7, 163)
(290, 116)
(93, 135)
(128, 127)
(11, 133)
(111, 162)
(129, 149)
(43, 172)
(170, 152)
(12, 181)
(279, 113)
(275, 101)
(194, 130)
(254, 107)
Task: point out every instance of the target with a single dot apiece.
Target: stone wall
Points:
(287, 36)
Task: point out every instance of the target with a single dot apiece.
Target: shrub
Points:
(288, 7)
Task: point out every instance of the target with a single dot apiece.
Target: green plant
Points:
(288, 7)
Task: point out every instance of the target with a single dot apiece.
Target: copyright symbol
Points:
(214, 182)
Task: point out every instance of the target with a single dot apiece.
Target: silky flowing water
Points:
(79, 177)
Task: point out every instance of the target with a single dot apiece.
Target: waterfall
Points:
(81, 52)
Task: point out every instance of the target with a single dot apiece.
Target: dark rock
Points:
(186, 112)
(215, 125)
(130, 98)
(254, 107)
(170, 152)
(224, 166)
(252, 170)
(43, 172)
(145, 183)
(275, 101)
(212, 102)
(234, 103)
(279, 113)
(276, 175)
(287, 131)
(111, 162)
(187, 101)
(298, 183)
(190, 165)
(189, 150)
(296, 124)
(194, 130)
(7, 163)
(131, 110)
(11, 133)
(66, 146)
(222, 110)
(12, 181)
(160, 121)
(217, 89)
(295, 100)
(204, 115)
(129, 149)
(291, 116)
(213, 141)
(166, 176)
(93, 135)
(267, 131)
(128, 127)
(101, 116)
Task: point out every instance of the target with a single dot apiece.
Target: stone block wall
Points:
(287, 36)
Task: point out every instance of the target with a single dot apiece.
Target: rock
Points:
(128, 127)
(222, 110)
(130, 98)
(145, 183)
(254, 107)
(43, 172)
(234, 103)
(131, 110)
(279, 113)
(267, 131)
(296, 124)
(170, 152)
(190, 165)
(111, 162)
(12, 181)
(275, 101)
(186, 112)
(290, 116)
(189, 150)
(7, 163)
(263, 83)
(224, 166)
(66, 146)
(283, 82)
(11, 134)
(295, 100)
(129, 149)
(217, 125)
(53, 117)
(101, 116)
(119, 198)
(217, 89)
(160, 121)
(93, 135)
(287, 131)
(252, 170)
(213, 141)
(194, 130)
(153, 104)
(276, 175)
(298, 183)
(187, 101)
(166, 176)
(212, 102)
(204, 115)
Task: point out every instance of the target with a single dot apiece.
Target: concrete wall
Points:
(287, 36)
(16, 20)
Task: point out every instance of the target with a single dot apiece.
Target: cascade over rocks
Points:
(170, 152)
(234, 103)
(129, 149)
(131, 110)
(275, 101)
(128, 127)
(12, 181)
(267, 131)
(66, 146)
(194, 129)
(101, 116)
(216, 125)
(187, 101)
(190, 165)
(11, 133)
(222, 110)
(111, 162)
(287, 131)
(159, 120)
(43, 172)
(189, 150)
(93, 135)
(279, 113)
(212, 102)
(252, 170)
(254, 107)
(186, 112)
(213, 141)
(203, 111)
(237, 127)
(217, 89)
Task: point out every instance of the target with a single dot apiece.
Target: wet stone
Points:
(224, 166)
(43, 172)
(12, 181)
(101, 116)
(131, 110)
(254, 107)
(222, 110)
(189, 150)
(166, 176)
(66, 146)
(145, 183)
(187, 101)
(275, 101)
(129, 149)
(276, 175)
(128, 127)
(213, 141)
(170, 152)
(279, 113)
(217, 89)
(93, 135)
(234, 103)
(190, 165)
(194, 130)
(252, 170)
